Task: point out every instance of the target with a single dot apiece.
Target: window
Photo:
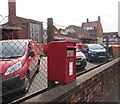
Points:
(12, 49)
(90, 28)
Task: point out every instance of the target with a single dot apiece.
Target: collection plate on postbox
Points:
(70, 53)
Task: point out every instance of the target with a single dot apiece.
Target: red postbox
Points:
(62, 61)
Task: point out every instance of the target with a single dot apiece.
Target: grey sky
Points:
(67, 12)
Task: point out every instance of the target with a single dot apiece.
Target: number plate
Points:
(101, 56)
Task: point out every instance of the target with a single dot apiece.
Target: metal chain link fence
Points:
(3, 19)
(23, 63)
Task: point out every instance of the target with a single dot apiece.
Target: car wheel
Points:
(83, 67)
(27, 83)
(84, 64)
(89, 59)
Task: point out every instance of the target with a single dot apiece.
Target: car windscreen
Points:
(95, 46)
(12, 49)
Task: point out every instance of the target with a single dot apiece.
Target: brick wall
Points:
(94, 89)
(93, 86)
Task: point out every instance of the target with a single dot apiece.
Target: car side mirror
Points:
(31, 53)
(87, 49)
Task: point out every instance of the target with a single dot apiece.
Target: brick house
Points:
(83, 35)
(95, 29)
(61, 35)
(54, 34)
(30, 29)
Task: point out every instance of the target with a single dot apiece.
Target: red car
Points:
(43, 48)
(79, 45)
(19, 61)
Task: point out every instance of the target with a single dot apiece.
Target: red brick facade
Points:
(95, 28)
(25, 24)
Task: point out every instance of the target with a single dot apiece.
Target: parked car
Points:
(79, 45)
(19, 60)
(80, 59)
(94, 51)
(43, 48)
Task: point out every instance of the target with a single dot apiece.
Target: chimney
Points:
(87, 20)
(12, 11)
(98, 18)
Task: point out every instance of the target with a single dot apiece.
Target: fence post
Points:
(50, 30)
(50, 38)
(107, 52)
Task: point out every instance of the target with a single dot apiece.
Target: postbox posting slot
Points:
(71, 48)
